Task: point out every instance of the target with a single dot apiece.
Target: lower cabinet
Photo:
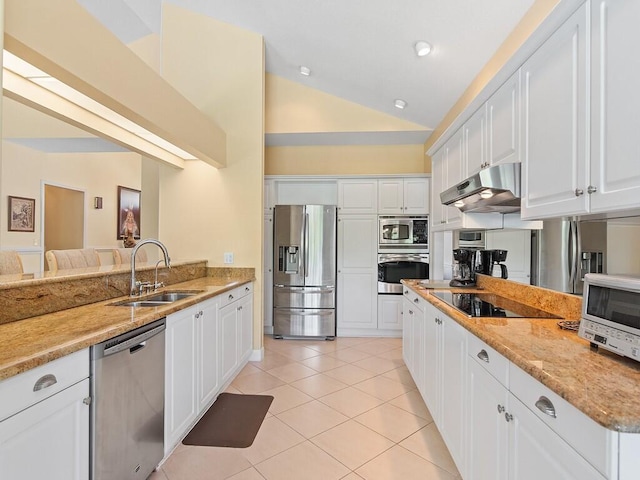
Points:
(44, 421)
(205, 347)
(390, 312)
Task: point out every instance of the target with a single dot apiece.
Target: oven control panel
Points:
(613, 339)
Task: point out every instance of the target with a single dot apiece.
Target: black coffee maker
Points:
(463, 268)
(488, 260)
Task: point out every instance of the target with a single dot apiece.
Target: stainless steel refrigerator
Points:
(304, 273)
(564, 251)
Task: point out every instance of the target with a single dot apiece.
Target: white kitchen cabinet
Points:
(270, 196)
(236, 334)
(44, 432)
(413, 308)
(438, 173)
(358, 196)
(454, 174)
(357, 296)
(535, 451)
(615, 101)
(408, 196)
(503, 123)
(390, 312)
(267, 279)
(518, 246)
(245, 322)
(181, 402)
(208, 384)
(555, 173)
(475, 142)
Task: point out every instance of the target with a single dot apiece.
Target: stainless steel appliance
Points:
(492, 189)
(611, 313)
(490, 305)
(564, 251)
(393, 267)
(403, 231)
(304, 274)
(488, 262)
(127, 408)
(471, 239)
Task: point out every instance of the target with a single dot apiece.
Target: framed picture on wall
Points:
(128, 213)
(22, 214)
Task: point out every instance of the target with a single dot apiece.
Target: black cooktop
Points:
(490, 305)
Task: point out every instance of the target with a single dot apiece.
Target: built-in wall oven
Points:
(393, 267)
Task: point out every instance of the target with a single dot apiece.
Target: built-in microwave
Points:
(611, 313)
(471, 239)
(404, 231)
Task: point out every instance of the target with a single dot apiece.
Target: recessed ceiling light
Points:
(422, 48)
(306, 71)
(400, 104)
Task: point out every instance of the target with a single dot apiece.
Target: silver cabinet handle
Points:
(591, 189)
(86, 400)
(578, 192)
(410, 312)
(230, 297)
(44, 382)
(508, 417)
(247, 289)
(546, 406)
(500, 408)
(406, 291)
(483, 355)
(415, 300)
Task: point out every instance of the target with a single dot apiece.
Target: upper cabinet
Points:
(475, 142)
(358, 196)
(554, 166)
(615, 100)
(409, 196)
(503, 123)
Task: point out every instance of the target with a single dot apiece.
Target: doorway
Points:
(63, 219)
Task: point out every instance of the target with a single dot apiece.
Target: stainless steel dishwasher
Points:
(127, 408)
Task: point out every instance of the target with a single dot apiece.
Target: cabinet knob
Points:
(415, 300)
(483, 355)
(246, 289)
(86, 400)
(410, 312)
(230, 297)
(508, 417)
(500, 408)
(591, 189)
(578, 192)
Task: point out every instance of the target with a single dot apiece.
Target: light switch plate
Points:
(228, 257)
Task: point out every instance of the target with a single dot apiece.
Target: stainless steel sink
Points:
(157, 300)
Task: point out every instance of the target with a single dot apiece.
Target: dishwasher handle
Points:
(115, 345)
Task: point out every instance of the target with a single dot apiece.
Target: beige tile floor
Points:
(346, 409)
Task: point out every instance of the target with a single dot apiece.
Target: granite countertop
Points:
(37, 340)
(601, 384)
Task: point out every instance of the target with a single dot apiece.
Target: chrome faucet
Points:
(137, 287)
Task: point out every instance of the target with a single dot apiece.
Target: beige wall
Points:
(345, 160)
(206, 212)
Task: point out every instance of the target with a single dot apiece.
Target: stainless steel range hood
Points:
(492, 190)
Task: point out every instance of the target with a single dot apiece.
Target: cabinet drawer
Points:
(592, 441)
(415, 299)
(492, 361)
(235, 294)
(35, 385)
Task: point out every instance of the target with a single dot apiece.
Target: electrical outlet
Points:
(228, 257)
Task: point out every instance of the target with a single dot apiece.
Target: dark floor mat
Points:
(232, 421)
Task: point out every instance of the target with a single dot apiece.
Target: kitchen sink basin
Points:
(157, 300)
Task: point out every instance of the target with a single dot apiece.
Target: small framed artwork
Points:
(22, 214)
(128, 213)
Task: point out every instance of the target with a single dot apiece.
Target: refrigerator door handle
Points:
(316, 313)
(572, 249)
(306, 244)
(323, 289)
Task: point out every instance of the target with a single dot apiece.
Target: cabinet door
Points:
(503, 115)
(207, 337)
(181, 406)
(390, 312)
(536, 451)
(555, 174)
(268, 274)
(48, 440)
(416, 196)
(228, 318)
(487, 431)
(390, 196)
(358, 196)
(245, 324)
(269, 199)
(454, 175)
(438, 172)
(432, 349)
(357, 272)
(518, 246)
(407, 334)
(475, 142)
(615, 101)
(454, 367)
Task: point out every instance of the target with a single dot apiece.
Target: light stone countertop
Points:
(37, 340)
(601, 384)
